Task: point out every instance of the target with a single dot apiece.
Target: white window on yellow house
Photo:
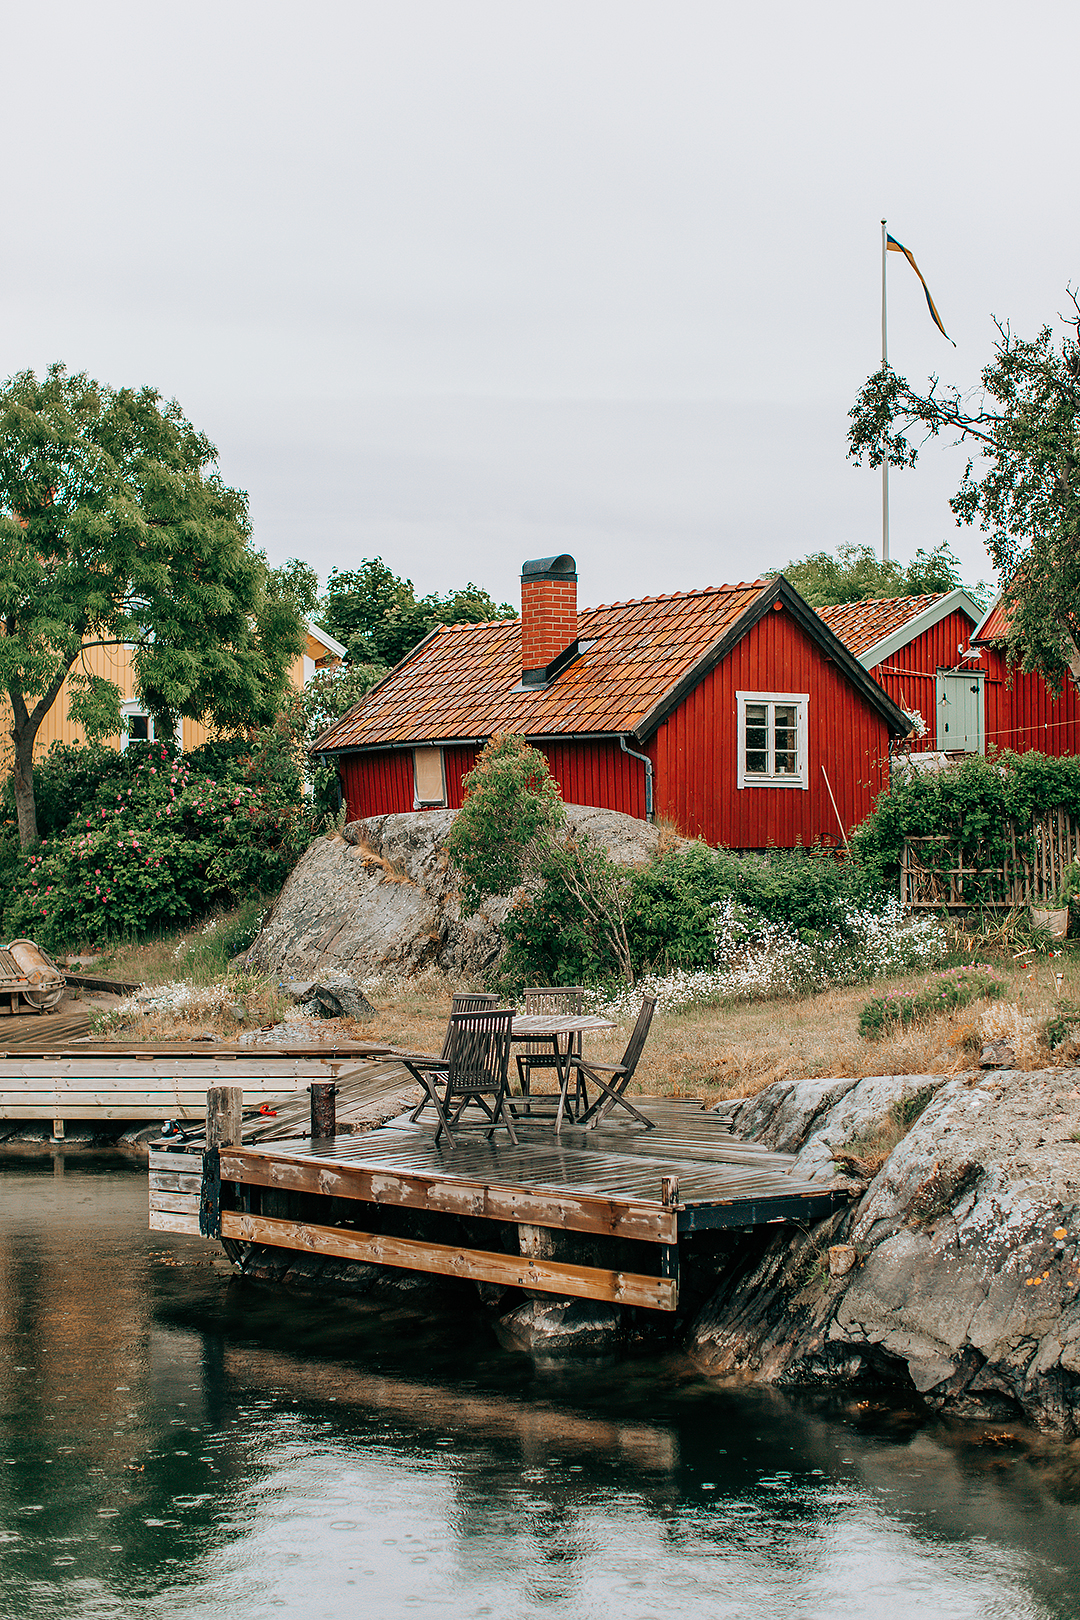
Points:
(772, 740)
(429, 778)
(138, 726)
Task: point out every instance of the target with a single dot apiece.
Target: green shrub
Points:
(670, 911)
(956, 987)
(971, 808)
(162, 841)
(511, 807)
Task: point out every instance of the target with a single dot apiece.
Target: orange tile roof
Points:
(464, 680)
(861, 625)
(995, 626)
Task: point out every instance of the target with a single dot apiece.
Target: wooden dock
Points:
(600, 1214)
(100, 1083)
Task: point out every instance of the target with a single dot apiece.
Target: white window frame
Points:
(133, 710)
(801, 777)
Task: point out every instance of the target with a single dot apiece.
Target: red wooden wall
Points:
(694, 753)
(1024, 715)
(909, 676)
(695, 750)
(596, 773)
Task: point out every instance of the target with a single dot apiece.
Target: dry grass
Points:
(713, 1052)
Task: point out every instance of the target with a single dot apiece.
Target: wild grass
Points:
(713, 1052)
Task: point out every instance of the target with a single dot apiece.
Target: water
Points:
(173, 1443)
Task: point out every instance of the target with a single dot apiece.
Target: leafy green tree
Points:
(512, 807)
(116, 529)
(857, 574)
(380, 618)
(1023, 428)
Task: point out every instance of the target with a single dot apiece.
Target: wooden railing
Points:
(930, 881)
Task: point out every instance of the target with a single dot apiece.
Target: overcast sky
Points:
(461, 282)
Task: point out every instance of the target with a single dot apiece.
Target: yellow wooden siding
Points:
(114, 664)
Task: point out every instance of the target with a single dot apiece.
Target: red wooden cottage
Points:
(941, 655)
(918, 648)
(1021, 711)
(734, 711)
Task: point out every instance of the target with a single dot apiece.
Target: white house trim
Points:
(892, 643)
(325, 639)
(800, 701)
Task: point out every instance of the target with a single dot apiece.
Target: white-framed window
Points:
(772, 739)
(429, 780)
(138, 726)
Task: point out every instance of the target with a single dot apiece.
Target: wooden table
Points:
(559, 1029)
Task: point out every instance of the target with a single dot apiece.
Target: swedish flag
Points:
(893, 246)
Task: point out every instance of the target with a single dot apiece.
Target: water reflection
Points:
(172, 1442)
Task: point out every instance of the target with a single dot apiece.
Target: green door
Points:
(960, 711)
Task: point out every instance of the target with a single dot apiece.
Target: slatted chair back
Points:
(550, 1001)
(466, 1001)
(638, 1036)
(478, 1053)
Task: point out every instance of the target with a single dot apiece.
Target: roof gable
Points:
(994, 624)
(638, 661)
(877, 629)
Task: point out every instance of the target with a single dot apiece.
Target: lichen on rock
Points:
(967, 1283)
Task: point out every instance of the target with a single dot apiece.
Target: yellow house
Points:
(114, 664)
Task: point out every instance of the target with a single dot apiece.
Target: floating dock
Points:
(600, 1214)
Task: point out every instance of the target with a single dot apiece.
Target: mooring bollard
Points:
(224, 1116)
(323, 1108)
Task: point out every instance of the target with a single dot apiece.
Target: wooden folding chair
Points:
(466, 1001)
(473, 1068)
(613, 1090)
(558, 1001)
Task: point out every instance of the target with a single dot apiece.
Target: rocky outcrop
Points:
(380, 899)
(966, 1277)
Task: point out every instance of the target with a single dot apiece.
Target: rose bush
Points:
(163, 840)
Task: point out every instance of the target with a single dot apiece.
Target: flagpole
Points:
(885, 463)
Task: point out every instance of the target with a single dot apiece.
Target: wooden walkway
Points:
(99, 1083)
(599, 1214)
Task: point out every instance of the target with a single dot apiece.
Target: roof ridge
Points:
(884, 601)
(673, 596)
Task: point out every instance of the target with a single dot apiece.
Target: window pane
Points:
(757, 738)
(784, 735)
(139, 728)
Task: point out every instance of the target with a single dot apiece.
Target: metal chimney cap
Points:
(563, 567)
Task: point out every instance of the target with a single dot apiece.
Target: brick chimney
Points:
(548, 618)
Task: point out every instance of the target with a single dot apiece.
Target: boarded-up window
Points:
(429, 787)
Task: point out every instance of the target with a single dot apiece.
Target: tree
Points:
(857, 574)
(1024, 426)
(380, 618)
(117, 530)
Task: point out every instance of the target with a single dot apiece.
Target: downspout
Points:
(647, 762)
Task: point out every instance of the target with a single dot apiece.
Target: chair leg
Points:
(603, 1105)
(503, 1113)
(444, 1124)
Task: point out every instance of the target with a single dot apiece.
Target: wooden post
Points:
(224, 1114)
(323, 1108)
(669, 1191)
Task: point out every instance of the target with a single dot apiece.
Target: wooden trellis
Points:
(929, 880)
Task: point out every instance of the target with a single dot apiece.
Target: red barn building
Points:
(915, 647)
(733, 710)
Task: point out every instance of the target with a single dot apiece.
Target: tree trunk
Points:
(22, 778)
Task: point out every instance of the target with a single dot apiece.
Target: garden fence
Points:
(934, 874)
